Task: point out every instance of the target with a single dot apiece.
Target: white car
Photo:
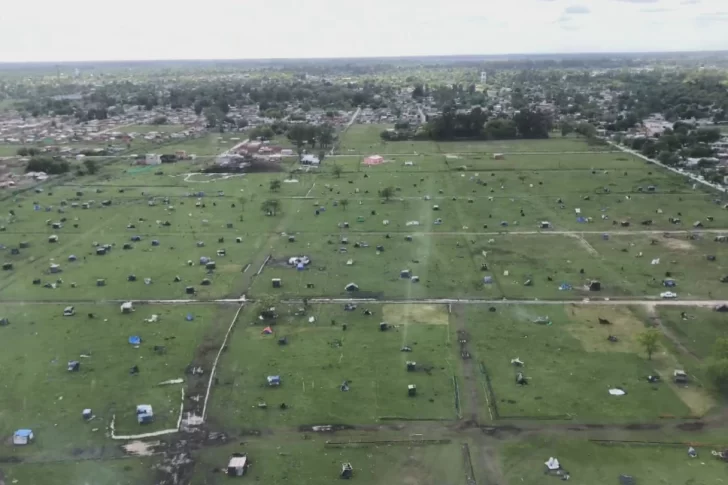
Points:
(668, 295)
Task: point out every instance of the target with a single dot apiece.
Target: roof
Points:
(237, 461)
(25, 433)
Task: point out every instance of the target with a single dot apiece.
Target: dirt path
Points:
(470, 404)
(655, 319)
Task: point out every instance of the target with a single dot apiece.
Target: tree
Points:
(274, 185)
(344, 203)
(586, 130)
(386, 193)
(48, 165)
(159, 120)
(325, 135)
(91, 166)
(337, 170)
(270, 207)
(650, 341)
(566, 128)
(321, 155)
(500, 129)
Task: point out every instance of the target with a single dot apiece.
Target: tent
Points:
(144, 413)
(127, 307)
(488, 280)
(22, 437)
(374, 160)
(135, 340)
(267, 330)
(564, 286)
(274, 380)
(189, 317)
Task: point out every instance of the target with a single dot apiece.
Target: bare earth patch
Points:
(593, 335)
(417, 314)
(141, 448)
(678, 244)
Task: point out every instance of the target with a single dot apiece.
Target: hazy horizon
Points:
(78, 31)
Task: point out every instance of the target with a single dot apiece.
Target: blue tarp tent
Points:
(581, 220)
(135, 340)
(189, 317)
(564, 286)
(274, 380)
(72, 258)
(669, 283)
(605, 237)
(488, 280)
(22, 437)
(300, 267)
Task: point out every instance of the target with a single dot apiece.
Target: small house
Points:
(347, 471)
(144, 413)
(310, 160)
(274, 381)
(69, 311)
(23, 437)
(680, 377)
(237, 465)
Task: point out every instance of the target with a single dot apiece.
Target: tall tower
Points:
(483, 77)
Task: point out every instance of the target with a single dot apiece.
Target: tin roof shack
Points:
(347, 471)
(237, 465)
(274, 381)
(23, 437)
(144, 413)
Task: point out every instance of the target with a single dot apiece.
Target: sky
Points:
(77, 30)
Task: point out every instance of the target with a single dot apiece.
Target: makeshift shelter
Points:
(189, 317)
(72, 258)
(23, 437)
(7, 266)
(155, 242)
(144, 413)
(131, 277)
(276, 282)
(135, 340)
(127, 307)
(595, 285)
(237, 465)
(351, 287)
(73, 366)
(274, 381)
(347, 471)
(87, 414)
(373, 160)
(53, 239)
(669, 283)
(69, 311)
(680, 377)
(411, 390)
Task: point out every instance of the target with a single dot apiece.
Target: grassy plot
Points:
(41, 394)
(162, 264)
(365, 139)
(677, 258)
(314, 463)
(548, 261)
(442, 263)
(569, 368)
(553, 144)
(594, 464)
(129, 471)
(320, 355)
(699, 330)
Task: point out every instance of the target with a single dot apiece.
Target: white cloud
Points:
(39, 30)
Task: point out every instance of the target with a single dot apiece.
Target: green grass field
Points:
(467, 225)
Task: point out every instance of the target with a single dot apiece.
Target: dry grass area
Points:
(418, 314)
(626, 326)
(678, 244)
(593, 335)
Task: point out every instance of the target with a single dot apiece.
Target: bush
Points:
(48, 165)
